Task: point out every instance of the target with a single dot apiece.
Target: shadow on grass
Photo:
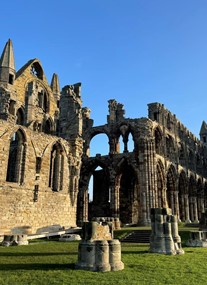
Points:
(36, 253)
(37, 266)
(134, 252)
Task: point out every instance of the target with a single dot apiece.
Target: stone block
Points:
(164, 237)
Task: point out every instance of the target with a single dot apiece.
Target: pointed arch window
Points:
(20, 116)
(16, 160)
(56, 168)
(158, 141)
(43, 101)
(48, 126)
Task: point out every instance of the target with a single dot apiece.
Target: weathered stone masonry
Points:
(40, 164)
(167, 168)
(45, 163)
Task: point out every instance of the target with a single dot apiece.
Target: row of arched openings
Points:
(185, 196)
(47, 126)
(17, 162)
(99, 144)
(100, 192)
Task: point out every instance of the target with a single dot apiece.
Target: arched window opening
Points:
(130, 143)
(171, 190)
(183, 197)
(99, 200)
(161, 196)
(193, 200)
(128, 195)
(43, 101)
(91, 184)
(37, 127)
(158, 141)
(12, 107)
(38, 164)
(126, 143)
(99, 145)
(170, 147)
(17, 156)
(20, 116)
(36, 70)
(121, 145)
(48, 127)
(40, 99)
(56, 168)
(90, 189)
(200, 199)
(45, 105)
(181, 154)
(11, 78)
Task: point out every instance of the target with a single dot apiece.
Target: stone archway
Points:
(128, 194)
(160, 197)
(193, 200)
(172, 193)
(183, 197)
(99, 205)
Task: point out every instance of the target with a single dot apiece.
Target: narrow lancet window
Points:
(56, 168)
(16, 161)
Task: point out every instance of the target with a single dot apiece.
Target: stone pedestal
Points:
(102, 256)
(98, 251)
(115, 255)
(164, 238)
(14, 240)
(197, 239)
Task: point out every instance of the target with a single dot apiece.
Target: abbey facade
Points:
(166, 168)
(41, 147)
(46, 168)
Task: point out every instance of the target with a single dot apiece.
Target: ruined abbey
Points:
(45, 137)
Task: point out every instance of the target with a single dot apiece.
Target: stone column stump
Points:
(164, 238)
(115, 255)
(98, 251)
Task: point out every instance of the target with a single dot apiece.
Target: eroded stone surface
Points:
(98, 251)
(164, 237)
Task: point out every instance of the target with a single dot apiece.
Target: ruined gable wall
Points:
(17, 201)
(21, 82)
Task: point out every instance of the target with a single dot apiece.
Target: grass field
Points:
(52, 262)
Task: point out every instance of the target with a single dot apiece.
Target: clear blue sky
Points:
(134, 51)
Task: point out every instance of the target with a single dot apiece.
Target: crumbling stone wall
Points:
(48, 133)
(166, 168)
(40, 164)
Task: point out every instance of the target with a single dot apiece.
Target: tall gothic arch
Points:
(161, 188)
(100, 204)
(56, 167)
(127, 185)
(193, 199)
(200, 198)
(183, 197)
(158, 141)
(17, 156)
(172, 193)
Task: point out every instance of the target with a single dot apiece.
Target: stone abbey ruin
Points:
(45, 137)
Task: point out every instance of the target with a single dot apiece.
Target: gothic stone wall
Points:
(165, 168)
(17, 204)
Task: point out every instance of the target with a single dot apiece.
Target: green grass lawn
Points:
(52, 262)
